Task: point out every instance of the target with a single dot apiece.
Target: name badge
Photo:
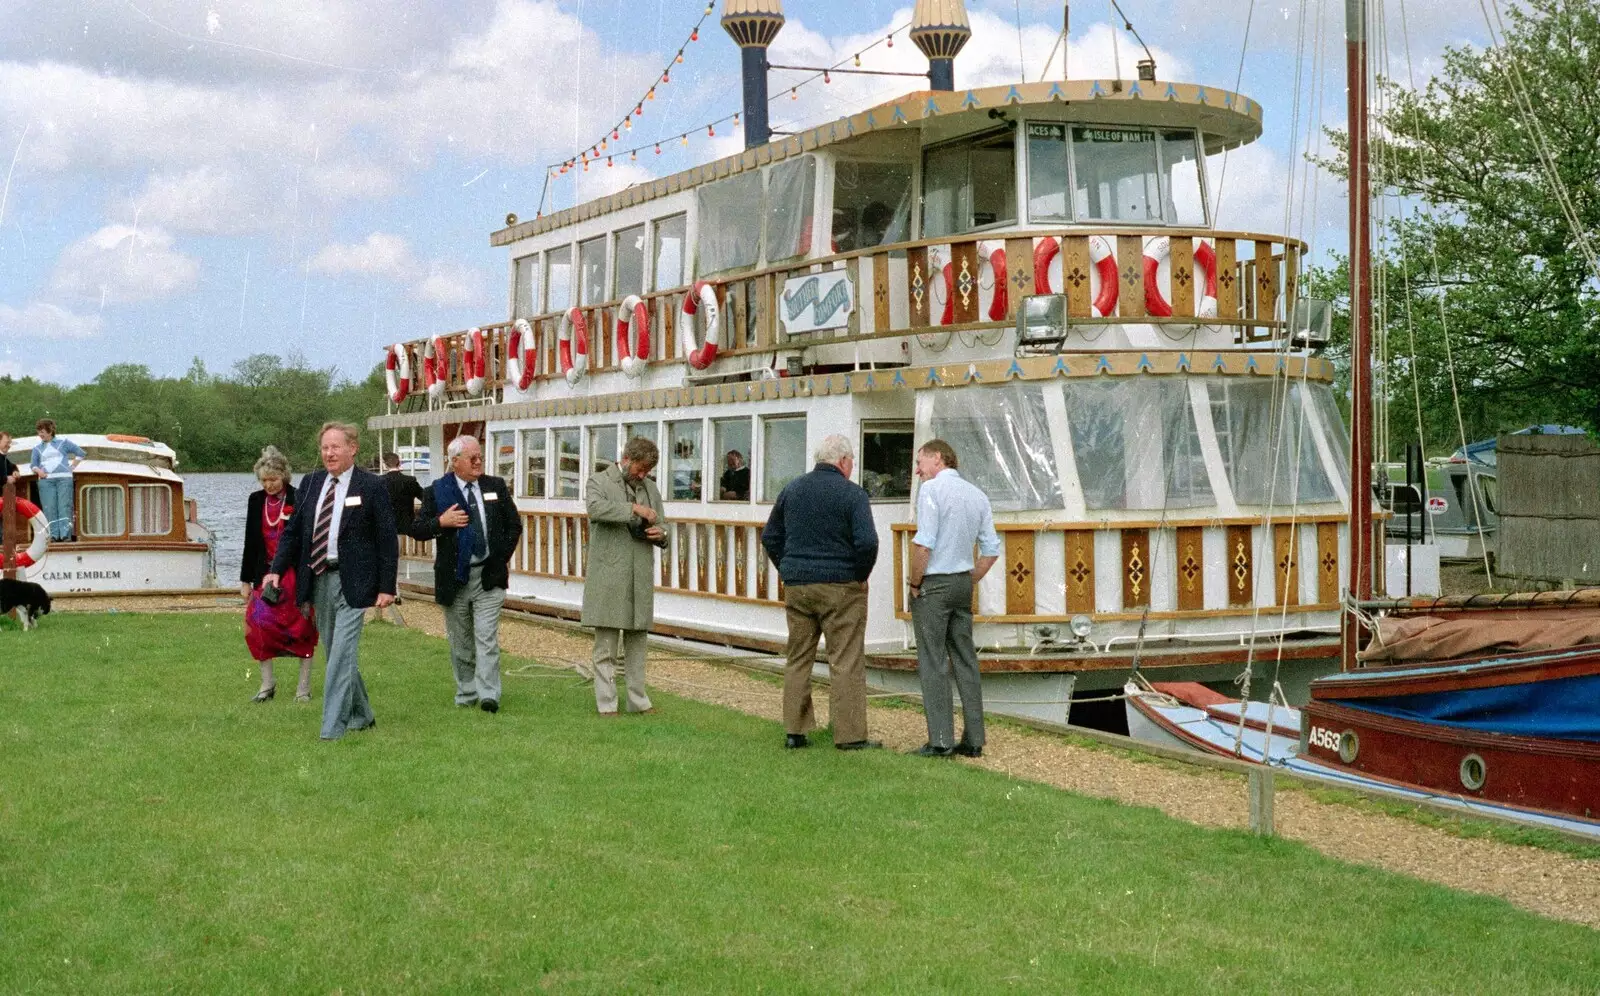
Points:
(491, 496)
(352, 501)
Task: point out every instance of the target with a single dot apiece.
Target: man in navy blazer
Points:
(342, 542)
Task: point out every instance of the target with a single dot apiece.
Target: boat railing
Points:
(973, 283)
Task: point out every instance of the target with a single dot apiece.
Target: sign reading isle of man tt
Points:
(816, 301)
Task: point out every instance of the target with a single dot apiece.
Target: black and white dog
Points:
(30, 600)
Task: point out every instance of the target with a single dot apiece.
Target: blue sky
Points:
(215, 178)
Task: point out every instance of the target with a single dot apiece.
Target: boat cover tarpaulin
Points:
(1407, 639)
(1562, 709)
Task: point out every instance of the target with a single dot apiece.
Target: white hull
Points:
(65, 570)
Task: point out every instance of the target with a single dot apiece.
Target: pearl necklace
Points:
(273, 520)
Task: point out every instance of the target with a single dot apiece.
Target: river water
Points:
(223, 499)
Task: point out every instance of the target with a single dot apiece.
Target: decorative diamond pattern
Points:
(1079, 573)
(1130, 275)
(1020, 572)
(1190, 568)
(1077, 278)
(918, 285)
(1136, 571)
(965, 284)
(1241, 565)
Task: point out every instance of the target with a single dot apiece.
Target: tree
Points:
(1488, 271)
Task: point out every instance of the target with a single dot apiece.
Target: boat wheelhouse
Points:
(1029, 272)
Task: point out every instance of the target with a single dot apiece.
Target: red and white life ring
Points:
(574, 359)
(519, 355)
(41, 535)
(473, 362)
(996, 262)
(1103, 266)
(435, 367)
(397, 373)
(702, 297)
(633, 335)
(1158, 252)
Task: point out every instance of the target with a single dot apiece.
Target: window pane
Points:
(994, 184)
(1002, 441)
(592, 271)
(1262, 433)
(1137, 445)
(533, 463)
(728, 240)
(669, 252)
(569, 462)
(732, 459)
(602, 447)
(152, 509)
(1183, 203)
(886, 455)
(1334, 428)
(871, 204)
(790, 189)
(1116, 174)
(526, 304)
(558, 279)
(629, 263)
(783, 454)
(644, 430)
(103, 512)
(945, 206)
(1047, 171)
(684, 462)
(503, 457)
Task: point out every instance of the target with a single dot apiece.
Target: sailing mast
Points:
(1361, 545)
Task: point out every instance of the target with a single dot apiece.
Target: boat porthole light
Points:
(1349, 746)
(1473, 772)
(1080, 626)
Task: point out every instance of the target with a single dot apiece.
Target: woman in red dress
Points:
(273, 630)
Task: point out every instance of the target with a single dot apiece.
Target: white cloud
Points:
(40, 320)
(122, 264)
(207, 200)
(381, 255)
(449, 285)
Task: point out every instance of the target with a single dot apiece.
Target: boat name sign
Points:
(1323, 737)
(816, 301)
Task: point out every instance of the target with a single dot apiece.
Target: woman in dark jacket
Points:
(274, 629)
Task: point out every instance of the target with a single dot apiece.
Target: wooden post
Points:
(1260, 790)
(10, 531)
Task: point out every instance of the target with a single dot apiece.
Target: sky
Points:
(216, 178)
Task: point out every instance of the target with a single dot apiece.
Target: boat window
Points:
(526, 304)
(645, 430)
(1183, 204)
(558, 279)
(1136, 445)
(602, 448)
(569, 462)
(150, 509)
(1116, 174)
(1001, 436)
(728, 239)
(592, 271)
(1266, 443)
(969, 185)
(886, 456)
(1333, 428)
(685, 462)
(731, 458)
(628, 263)
(783, 453)
(791, 196)
(871, 204)
(533, 463)
(503, 458)
(103, 510)
(668, 252)
(1047, 171)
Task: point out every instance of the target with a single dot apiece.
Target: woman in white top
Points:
(52, 461)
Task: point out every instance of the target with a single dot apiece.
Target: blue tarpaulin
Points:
(1563, 708)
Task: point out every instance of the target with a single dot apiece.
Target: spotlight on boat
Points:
(1080, 625)
(1042, 323)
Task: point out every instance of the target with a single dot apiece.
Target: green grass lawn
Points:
(160, 833)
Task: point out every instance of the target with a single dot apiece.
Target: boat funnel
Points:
(940, 29)
(753, 24)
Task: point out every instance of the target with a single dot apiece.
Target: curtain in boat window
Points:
(791, 186)
(151, 506)
(1001, 436)
(102, 510)
(1136, 444)
(729, 228)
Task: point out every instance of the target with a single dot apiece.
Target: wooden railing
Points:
(1125, 570)
(900, 289)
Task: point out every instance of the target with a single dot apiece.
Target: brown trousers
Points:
(838, 610)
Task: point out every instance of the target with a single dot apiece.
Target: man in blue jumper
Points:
(820, 535)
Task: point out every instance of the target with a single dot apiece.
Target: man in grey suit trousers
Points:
(342, 542)
(952, 516)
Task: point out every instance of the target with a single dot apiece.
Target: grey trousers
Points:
(942, 616)
(634, 644)
(344, 695)
(472, 622)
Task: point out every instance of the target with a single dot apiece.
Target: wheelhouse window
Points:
(667, 252)
(886, 457)
(525, 295)
(1048, 176)
(871, 204)
(791, 190)
(558, 279)
(569, 462)
(102, 510)
(969, 185)
(783, 453)
(503, 456)
(731, 459)
(592, 271)
(628, 263)
(728, 240)
(533, 463)
(150, 508)
(1119, 174)
(685, 461)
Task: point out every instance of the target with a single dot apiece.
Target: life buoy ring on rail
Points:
(397, 373)
(996, 262)
(519, 355)
(1102, 261)
(633, 335)
(473, 362)
(435, 367)
(702, 297)
(1159, 251)
(574, 360)
(41, 535)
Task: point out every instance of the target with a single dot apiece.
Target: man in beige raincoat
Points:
(626, 524)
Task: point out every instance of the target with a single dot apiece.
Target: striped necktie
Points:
(319, 537)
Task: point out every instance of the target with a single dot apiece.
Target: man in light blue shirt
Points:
(53, 461)
(952, 517)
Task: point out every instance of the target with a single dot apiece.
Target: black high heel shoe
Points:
(266, 694)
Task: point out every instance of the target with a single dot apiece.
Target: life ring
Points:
(574, 362)
(702, 296)
(519, 355)
(397, 373)
(473, 362)
(41, 535)
(1159, 251)
(1103, 261)
(435, 367)
(633, 335)
(997, 303)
